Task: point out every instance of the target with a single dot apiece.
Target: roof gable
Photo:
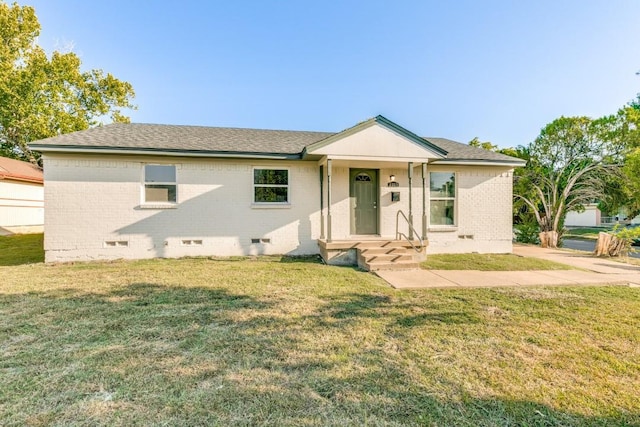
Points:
(376, 137)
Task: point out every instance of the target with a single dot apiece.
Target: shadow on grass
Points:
(310, 259)
(196, 355)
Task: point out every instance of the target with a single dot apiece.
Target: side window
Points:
(160, 184)
(271, 186)
(442, 198)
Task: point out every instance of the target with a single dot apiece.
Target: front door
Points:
(363, 192)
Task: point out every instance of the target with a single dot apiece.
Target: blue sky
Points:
(498, 70)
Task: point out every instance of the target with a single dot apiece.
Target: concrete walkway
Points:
(594, 271)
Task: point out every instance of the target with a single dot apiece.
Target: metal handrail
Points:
(415, 233)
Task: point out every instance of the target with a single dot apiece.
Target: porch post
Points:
(410, 174)
(328, 200)
(424, 201)
(321, 201)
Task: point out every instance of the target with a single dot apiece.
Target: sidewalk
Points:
(594, 271)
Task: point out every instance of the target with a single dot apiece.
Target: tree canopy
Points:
(574, 161)
(42, 96)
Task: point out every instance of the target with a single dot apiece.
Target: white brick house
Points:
(144, 191)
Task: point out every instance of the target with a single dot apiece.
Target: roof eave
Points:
(478, 162)
(163, 152)
(21, 178)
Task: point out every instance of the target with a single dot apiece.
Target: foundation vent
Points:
(189, 242)
(116, 244)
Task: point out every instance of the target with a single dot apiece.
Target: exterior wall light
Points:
(395, 195)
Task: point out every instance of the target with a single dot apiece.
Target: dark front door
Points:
(363, 192)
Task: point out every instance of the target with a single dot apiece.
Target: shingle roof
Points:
(459, 151)
(187, 138)
(201, 139)
(19, 171)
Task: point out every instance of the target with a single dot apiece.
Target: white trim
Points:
(151, 204)
(477, 163)
(158, 205)
(272, 205)
(255, 204)
(376, 158)
(159, 152)
(444, 227)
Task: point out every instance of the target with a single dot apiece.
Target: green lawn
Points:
(590, 233)
(489, 262)
(21, 249)
(286, 342)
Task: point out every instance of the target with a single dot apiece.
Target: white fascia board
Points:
(45, 149)
(477, 163)
(378, 159)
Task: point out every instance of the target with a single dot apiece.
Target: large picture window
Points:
(160, 184)
(271, 186)
(442, 196)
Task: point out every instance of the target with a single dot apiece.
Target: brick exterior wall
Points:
(94, 210)
(94, 201)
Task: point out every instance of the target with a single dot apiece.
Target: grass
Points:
(21, 249)
(489, 262)
(589, 233)
(279, 343)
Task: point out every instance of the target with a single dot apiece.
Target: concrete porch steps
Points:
(389, 255)
(373, 254)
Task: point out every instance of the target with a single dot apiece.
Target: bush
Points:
(527, 232)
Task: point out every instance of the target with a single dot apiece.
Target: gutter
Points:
(463, 162)
(163, 152)
(23, 178)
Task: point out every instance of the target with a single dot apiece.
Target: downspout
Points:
(410, 174)
(321, 202)
(424, 201)
(329, 201)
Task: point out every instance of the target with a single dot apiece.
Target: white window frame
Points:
(254, 186)
(442, 198)
(144, 183)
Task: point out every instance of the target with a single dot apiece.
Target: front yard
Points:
(281, 341)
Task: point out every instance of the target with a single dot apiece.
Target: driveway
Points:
(593, 271)
(589, 246)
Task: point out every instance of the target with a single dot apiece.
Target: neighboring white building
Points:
(21, 197)
(590, 217)
(144, 191)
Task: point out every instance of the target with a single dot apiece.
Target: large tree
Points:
(43, 96)
(569, 165)
(623, 191)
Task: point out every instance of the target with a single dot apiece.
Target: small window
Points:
(160, 184)
(442, 192)
(271, 186)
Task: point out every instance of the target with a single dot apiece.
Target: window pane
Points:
(159, 173)
(271, 194)
(442, 184)
(271, 176)
(442, 212)
(160, 193)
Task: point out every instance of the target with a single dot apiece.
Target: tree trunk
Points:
(609, 245)
(549, 239)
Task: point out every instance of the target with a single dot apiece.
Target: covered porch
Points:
(373, 193)
(373, 212)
